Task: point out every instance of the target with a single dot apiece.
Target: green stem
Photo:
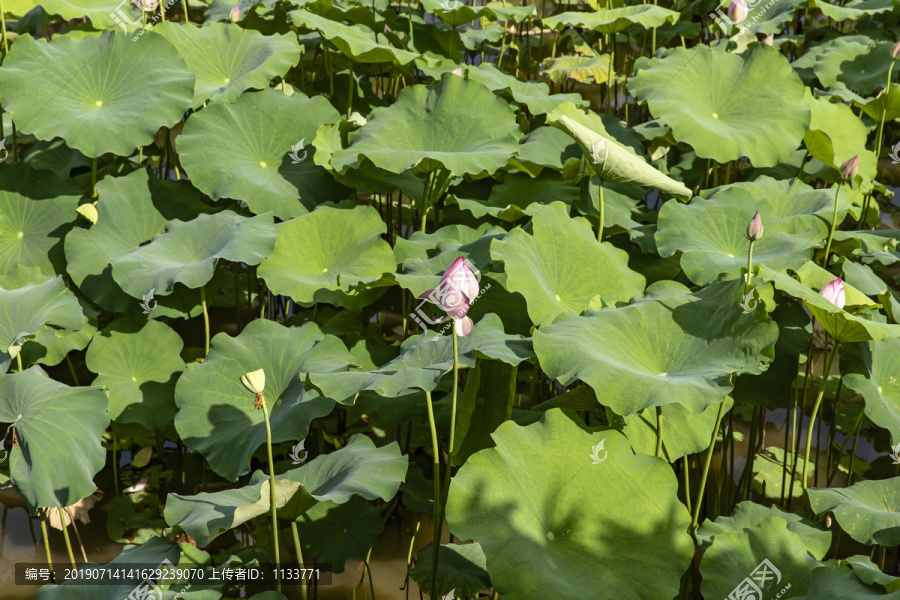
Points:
(887, 98)
(659, 430)
(187, 15)
(46, 538)
(687, 482)
(855, 430)
(205, 317)
(72, 369)
(299, 552)
(19, 361)
(94, 178)
(272, 492)
(749, 267)
(3, 31)
(709, 453)
(412, 542)
(815, 410)
(65, 530)
(369, 573)
(602, 214)
(436, 543)
(446, 493)
(833, 224)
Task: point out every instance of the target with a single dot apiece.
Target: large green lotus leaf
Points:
(28, 301)
(615, 19)
(320, 256)
(434, 126)
(426, 256)
(205, 516)
(561, 268)
(728, 105)
(748, 515)
(510, 200)
(131, 210)
(58, 429)
(869, 510)
(710, 230)
(580, 525)
(672, 346)
(854, 65)
(461, 567)
(533, 94)
(814, 276)
(583, 69)
(838, 323)
(227, 59)
(102, 14)
(36, 211)
(879, 384)
(836, 135)
(335, 533)
(885, 103)
(733, 557)
(138, 362)
(870, 574)
(151, 554)
(215, 411)
(683, 433)
(101, 94)
(187, 252)
(840, 583)
(619, 163)
(486, 403)
(769, 17)
(251, 159)
(51, 345)
(855, 10)
(357, 468)
(357, 42)
(459, 12)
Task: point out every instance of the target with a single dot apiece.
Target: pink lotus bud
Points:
(737, 12)
(850, 168)
(457, 290)
(457, 71)
(234, 15)
(770, 40)
(834, 292)
(895, 51)
(754, 228)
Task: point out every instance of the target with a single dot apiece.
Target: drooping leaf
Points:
(615, 19)
(461, 568)
(541, 498)
(357, 42)
(879, 384)
(867, 511)
(58, 429)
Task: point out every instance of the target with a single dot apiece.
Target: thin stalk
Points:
(272, 492)
(187, 15)
(412, 543)
(749, 267)
(787, 431)
(19, 361)
(46, 537)
(853, 455)
(855, 430)
(299, 552)
(72, 369)
(115, 462)
(205, 317)
(369, 573)
(436, 543)
(709, 453)
(887, 98)
(452, 428)
(94, 178)
(602, 214)
(833, 224)
(812, 418)
(77, 535)
(687, 482)
(65, 530)
(659, 430)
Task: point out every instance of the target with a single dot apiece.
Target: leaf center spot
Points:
(663, 374)
(879, 387)
(263, 164)
(98, 103)
(731, 256)
(550, 535)
(134, 378)
(21, 234)
(557, 298)
(227, 80)
(715, 115)
(325, 270)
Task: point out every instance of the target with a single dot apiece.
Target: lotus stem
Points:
(3, 32)
(412, 542)
(72, 369)
(887, 98)
(436, 543)
(837, 193)
(687, 482)
(856, 427)
(299, 556)
(659, 430)
(369, 573)
(749, 267)
(65, 530)
(272, 492)
(187, 15)
(19, 361)
(205, 318)
(709, 453)
(115, 463)
(815, 410)
(452, 427)
(94, 178)
(602, 214)
(46, 537)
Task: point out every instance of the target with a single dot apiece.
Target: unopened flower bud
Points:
(754, 228)
(737, 12)
(850, 168)
(895, 51)
(770, 40)
(234, 15)
(89, 212)
(834, 292)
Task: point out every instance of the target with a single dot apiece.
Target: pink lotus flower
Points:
(234, 15)
(834, 292)
(457, 290)
(754, 228)
(737, 12)
(850, 168)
